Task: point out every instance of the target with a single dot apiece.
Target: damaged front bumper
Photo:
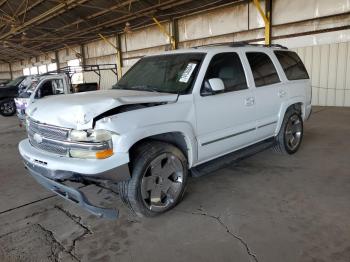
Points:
(44, 168)
(70, 193)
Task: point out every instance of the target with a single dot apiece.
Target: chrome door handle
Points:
(249, 101)
(282, 93)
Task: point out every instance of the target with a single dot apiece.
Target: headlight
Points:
(94, 144)
(90, 135)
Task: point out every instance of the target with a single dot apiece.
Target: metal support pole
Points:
(57, 60)
(175, 32)
(118, 55)
(83, 57)
(268, 11)
(266, 17)
(78, 55)
(10, 67)
(164, 31)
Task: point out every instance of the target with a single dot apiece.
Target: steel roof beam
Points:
(80, 20)
(49, 14)
(144, 12)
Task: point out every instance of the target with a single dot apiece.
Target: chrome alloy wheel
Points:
(162, 182)
(293, 132)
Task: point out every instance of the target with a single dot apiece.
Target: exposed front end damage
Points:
(69, 193)
(61, 146)
(51, 172)
(78, 111)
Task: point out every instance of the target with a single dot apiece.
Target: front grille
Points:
(50, 132)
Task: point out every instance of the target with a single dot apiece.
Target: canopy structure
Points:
(30, 28)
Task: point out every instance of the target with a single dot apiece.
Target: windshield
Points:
(16, 81)
(173, 73)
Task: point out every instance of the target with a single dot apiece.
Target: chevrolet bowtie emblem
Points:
(38, 138)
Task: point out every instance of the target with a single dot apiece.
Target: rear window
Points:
(264, 71)
(292, 65)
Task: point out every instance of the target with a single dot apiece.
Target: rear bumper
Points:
(308, 111)
(69, 193)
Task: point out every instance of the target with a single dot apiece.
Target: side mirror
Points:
(216, 84)
(212, 86)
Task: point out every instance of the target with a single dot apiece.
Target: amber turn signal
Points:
(104, 154)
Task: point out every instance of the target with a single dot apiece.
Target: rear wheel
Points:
(290, 135)
(159, 176)
(7, 107)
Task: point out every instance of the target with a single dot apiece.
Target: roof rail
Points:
(242, 44)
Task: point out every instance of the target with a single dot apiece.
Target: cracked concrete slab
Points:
(31, 243)
(264, 208)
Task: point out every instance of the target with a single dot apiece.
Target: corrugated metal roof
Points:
(29, 28)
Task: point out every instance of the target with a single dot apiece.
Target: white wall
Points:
(329, 69)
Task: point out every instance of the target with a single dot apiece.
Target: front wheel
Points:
(7, 107)
(159, 176)
(291, 133)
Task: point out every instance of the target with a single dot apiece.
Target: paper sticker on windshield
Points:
(186, 75)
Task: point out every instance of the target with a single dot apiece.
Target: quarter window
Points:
(264, 72)
(292, 65)
(228, 67)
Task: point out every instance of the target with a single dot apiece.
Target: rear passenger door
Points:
(226, 120)
(269, 93)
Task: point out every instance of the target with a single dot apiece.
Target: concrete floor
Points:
(264, 208)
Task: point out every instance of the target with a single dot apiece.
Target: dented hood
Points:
(78, 110)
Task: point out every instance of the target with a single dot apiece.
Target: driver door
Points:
(225, 120)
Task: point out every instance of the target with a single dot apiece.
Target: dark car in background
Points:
(10, 91)
(7, 95)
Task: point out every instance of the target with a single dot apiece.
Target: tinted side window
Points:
(228, 67)
(264, 72)
(292, 65)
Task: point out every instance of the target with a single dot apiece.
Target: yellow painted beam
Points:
(78, 55)
(164, 31)
(266, 18)
(119, 62)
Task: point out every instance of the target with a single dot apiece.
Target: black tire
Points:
(142, 158)
(282, 141)
(7, 107)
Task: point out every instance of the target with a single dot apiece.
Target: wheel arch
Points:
(177, 139)
(297, 104)
(180, 135)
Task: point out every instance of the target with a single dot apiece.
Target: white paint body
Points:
(200, 119)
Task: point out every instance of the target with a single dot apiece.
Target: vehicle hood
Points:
(78, 110)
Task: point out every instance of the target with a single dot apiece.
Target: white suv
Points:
(168, 114)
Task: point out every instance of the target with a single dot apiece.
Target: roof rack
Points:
(71, 70)
(242, 44)
(84, 68)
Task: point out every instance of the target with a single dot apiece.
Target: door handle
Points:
(249, 101)
(282, 93)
